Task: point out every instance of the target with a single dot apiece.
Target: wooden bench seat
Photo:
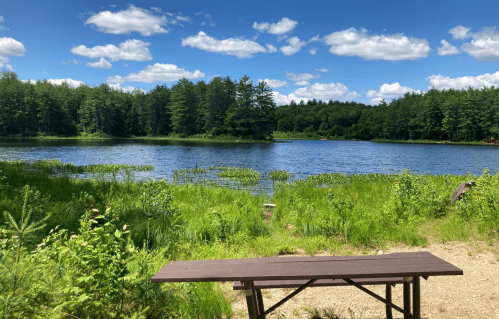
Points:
(273, 284)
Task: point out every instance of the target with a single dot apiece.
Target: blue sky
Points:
(360, 51)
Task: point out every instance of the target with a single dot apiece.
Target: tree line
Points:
(221, 107)
(241, 109)
(470, 115)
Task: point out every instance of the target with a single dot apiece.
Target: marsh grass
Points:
(174, 221)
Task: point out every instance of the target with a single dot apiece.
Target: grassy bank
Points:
(172, 137)
(88, 248)
(481, 143)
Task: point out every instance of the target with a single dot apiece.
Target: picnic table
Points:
(349, 269)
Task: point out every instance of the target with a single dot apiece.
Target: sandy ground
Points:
(474, 295)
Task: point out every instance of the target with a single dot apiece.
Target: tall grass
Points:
(150, 223)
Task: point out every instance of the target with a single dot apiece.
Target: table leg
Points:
(249, 288)
(416, 298)
(259, 299)
(407, 297)
(388, 296)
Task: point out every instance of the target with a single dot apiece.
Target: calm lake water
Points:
(303, 158)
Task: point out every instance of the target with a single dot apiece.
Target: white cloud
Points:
(274, 83)
(1, 20)
(281, 99)
(318, 91)
(262, 26)
(70, 82)
(485, 44)
(101, 64)
(447, 49)
(323, 70)
(285, 25)
(314, 39)
(157, 73)
(376, 100)
(30, 81)
(396, 47)
(388, 91)
(74, 61)
(460, 32)
(324, 91)
(231, 46)
(271, 48)
(128, 88)
(313, 51)
(444, 82)
(294, 46)
(11, 47)
(3, 62)
(133, 19)
(301, 78)
(132, 50)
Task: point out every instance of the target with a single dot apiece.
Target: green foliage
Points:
(245, 176)
(481, 203)
(280, 175)
(90, 266)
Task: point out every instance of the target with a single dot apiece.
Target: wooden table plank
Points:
(290, 268)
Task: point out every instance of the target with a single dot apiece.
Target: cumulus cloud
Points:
(128, 88)
(447, 49)
(323, 70)
(70, 82)
(131, 20)
(157, 73)
(231, 46)
(441, 82)
(485, 44)
(285, 25)
(396, 47)
(281, 99)
(325, 91)
(318, 91)
(10, 47)
(294, 46)
(132, 50)
(271, 48)
(313, 51)
(274, 83)
(460, 32)
(389, 91)
(301, 78)
(101, 64)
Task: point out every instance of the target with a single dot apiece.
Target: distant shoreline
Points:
(141, 138)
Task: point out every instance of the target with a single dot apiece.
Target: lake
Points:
(302, 157)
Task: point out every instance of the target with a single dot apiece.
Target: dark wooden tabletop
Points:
(322, 267)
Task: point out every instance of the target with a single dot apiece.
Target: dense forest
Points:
(222, 107)
(471, 114)
(239, 109)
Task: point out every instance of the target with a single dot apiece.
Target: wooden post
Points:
(259, 298)
(416, 298)
(249, 288)
(388, 296)
(407, 297)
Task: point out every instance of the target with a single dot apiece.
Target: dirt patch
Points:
(474, 295)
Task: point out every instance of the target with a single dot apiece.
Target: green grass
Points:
(480, 143)
(165, 221)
